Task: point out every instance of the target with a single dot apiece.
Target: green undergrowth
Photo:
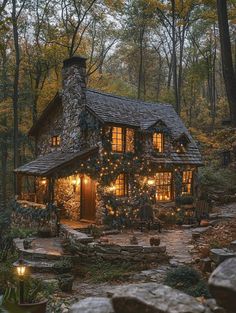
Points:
(107, 272)
(188, 280)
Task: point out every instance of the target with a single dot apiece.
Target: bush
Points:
(213, 180)
(185, 199)
(187, 280)
(63, 266)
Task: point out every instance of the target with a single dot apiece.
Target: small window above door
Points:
(55, 141)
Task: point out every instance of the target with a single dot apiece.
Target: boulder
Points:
(92, 305)
(153, 298)
(233, 246)
(220, 255)
(222, 284)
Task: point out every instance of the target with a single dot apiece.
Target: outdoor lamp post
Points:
(21, 265)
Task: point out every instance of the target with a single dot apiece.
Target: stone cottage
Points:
(101, 156)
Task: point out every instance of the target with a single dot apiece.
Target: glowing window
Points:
(121, 186)
(158, 142)
(117, 139)
(55, 141)
(122, 139)
(163, 186)
(187, 182)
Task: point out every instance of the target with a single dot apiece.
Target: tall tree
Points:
(16, 12)
(226, 55)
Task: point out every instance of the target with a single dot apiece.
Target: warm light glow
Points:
(85, 180)
(163, 185)
(73, 182)
(43, 181)
(158, 142)
(151, 181)
(121, 185)
(187, 182)
(21, 269)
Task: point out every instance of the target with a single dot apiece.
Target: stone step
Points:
(41, 266)
(37, 254)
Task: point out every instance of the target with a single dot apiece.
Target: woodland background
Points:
(156, 50)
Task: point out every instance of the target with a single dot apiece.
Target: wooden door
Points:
(88, 199)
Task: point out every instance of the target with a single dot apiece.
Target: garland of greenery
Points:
(35, 213)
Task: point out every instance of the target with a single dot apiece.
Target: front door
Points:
(88, 199)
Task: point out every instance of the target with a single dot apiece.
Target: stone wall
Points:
(37, 219)
(91, 251)
(74, 100)
(68, 198)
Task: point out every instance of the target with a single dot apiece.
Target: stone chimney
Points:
(73, 100)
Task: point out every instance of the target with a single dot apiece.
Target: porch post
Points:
(51, 182)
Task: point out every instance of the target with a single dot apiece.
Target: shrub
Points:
(187, 280)
(213, 180)
(185, 199)
(63, 266)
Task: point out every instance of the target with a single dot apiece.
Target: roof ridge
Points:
(127, 98)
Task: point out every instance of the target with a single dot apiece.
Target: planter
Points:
(66, 282)
(187, 206)
(204, 223)
(39, 307)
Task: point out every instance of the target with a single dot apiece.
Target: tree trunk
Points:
(226, 55)
(175, 74)
(15, 96)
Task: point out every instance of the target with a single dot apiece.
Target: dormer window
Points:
(182, 144)
(55, 141)
(122, 139)
(158, 142)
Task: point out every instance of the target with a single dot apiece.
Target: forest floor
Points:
(180, 247)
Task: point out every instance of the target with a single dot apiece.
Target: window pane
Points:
(163, 186)
(129, 140)
(158, 142)
(187, 182)
(117, 139)
(56, 141)
(121, 185)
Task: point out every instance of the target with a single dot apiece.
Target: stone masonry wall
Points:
(73, 99)
(91, 251)
(68, 199)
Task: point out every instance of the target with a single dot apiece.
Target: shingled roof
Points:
(47, 164)
(109, 108)
(121, 110)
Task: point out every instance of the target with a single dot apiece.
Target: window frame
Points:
(57, 141)
(162, 142)
(165, 185)
(187, 183)
(124, 188)
(123, 139)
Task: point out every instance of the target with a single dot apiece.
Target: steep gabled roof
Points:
(121, 110)
(53, 105)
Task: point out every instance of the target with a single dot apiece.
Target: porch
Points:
(53, 179)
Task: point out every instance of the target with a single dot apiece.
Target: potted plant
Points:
(66, 282)
(65, 279)
(34, 298)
